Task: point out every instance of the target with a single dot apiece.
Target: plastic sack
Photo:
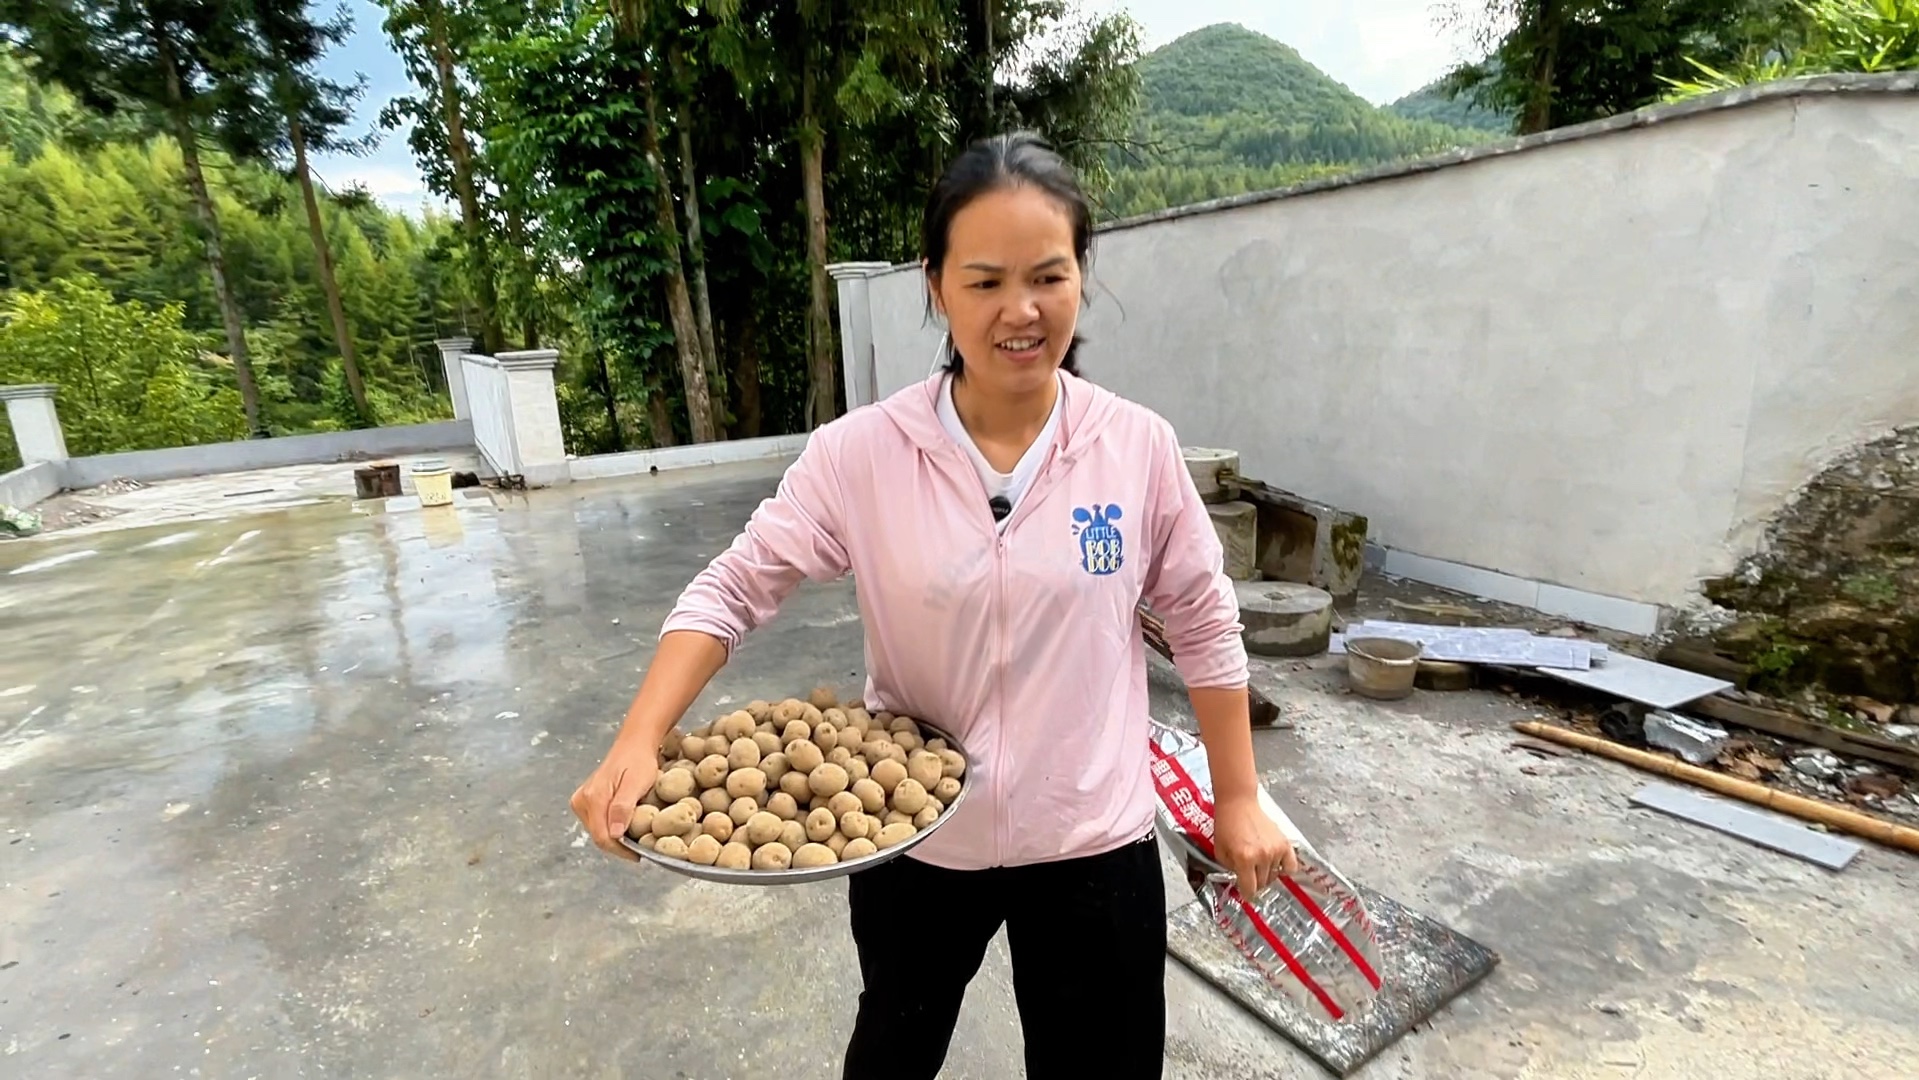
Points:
(1307, 933)
(18, 522)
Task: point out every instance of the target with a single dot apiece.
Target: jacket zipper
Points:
(999, 721)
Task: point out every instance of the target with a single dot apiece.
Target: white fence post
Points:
(451, 349)
(36, 423)
(856, 330)
(534, 409)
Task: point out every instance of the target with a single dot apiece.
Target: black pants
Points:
(1088, 943)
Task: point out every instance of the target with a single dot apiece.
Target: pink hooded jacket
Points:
(1024, 645)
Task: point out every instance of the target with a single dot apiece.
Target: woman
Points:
(1002, 520)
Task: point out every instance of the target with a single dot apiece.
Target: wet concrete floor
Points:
(285, 796)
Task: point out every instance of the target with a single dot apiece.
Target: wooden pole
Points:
(1838, 817)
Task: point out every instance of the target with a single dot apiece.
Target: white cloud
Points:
(396, 185)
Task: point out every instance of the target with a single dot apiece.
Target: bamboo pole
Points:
(1842, 818)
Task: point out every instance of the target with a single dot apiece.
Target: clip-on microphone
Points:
(1000, 506)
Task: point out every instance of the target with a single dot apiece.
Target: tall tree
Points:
(181, 66)
(1558, 62)
(430, 37)
(315, 109)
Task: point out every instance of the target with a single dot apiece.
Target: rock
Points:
(1832, 599)
(1205, 465)
(1901, 731)
(1875, 711)
(1816, 767)
(1237, 525)
(1875, 784)
(1695, 742)
(1284, 618)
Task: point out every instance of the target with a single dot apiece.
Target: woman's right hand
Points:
(605, 802)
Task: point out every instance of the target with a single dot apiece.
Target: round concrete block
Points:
(1237, 524)
(1205, 464)
(1443, 675)
(1284, 618)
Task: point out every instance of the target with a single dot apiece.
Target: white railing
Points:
(490, 401)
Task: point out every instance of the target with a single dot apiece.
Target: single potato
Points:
(642, 821)
(774, 765)
(704, 850)
(897, 833)
(746, 783)
(889, 774)
(946, 790)
(909, 796)
(715, 800)
(743, 754)
(792, 834)
(735, 856)
(794, 784)
(711, 771)
(857, 849)
(823, 698)
(814, 855)
(768, 743)
(675, 784)
(774, 856)
(804, 754)
(717, 826)
(871, 795)
(671, 846)
(924, 767)
(820, 824)
(784, 806)
(741, 810)
(762, 828)
(856, 824)
(843, 803)
(828, 779)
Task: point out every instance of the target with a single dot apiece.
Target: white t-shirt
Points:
(1013, 485)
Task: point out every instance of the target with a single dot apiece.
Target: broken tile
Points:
(1695, 742)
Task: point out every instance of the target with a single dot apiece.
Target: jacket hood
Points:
(1085, 410)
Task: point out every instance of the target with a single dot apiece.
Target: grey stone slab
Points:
(1758, 827)
(1644, 681)
(1423, 966)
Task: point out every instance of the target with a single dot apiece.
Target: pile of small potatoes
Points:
(795, 784)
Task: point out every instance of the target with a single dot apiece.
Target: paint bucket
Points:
(433, 482)
(1382, 668)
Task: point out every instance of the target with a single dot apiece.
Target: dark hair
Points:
(990, 164)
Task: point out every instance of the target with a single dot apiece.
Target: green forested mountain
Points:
(1433, 102)
(1225, 110)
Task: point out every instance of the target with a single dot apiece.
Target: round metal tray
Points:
(831, 870)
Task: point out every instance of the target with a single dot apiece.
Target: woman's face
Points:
(1010, 288)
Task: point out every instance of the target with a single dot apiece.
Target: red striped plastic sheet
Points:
(1307, 933)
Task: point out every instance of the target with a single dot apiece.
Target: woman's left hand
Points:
(1251, 845)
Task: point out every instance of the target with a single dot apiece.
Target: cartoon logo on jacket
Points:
(1102, 550)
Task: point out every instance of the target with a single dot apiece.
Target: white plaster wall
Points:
(1601, 363)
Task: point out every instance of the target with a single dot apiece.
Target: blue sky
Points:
(1383, 49)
